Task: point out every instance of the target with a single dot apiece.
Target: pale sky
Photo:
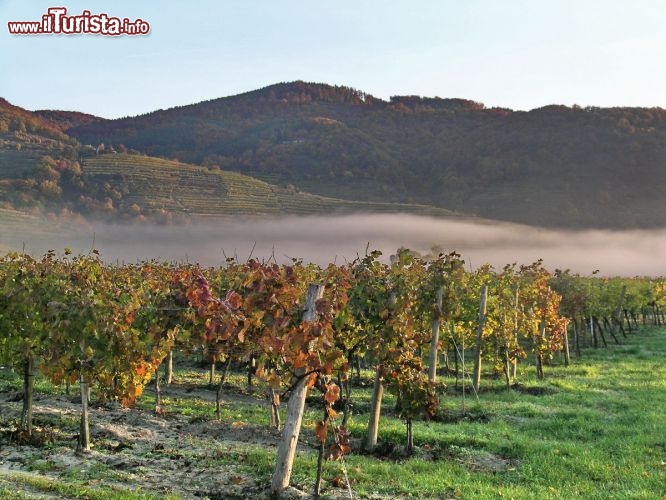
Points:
(520, 54)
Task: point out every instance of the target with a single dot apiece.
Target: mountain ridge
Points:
(554, 166)
(519, 166)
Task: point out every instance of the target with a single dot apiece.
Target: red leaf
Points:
(233, 299)
(315, 331)
(332, 393)
(322, 305)
(300, 360)
(321, 430)
(339, 482)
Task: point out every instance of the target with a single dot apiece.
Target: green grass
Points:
(597, 434)
(597, 431)
(20, 485)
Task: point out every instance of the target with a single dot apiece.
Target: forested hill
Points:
(552, 166)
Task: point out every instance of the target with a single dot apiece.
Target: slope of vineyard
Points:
(154, 184)
(14, 164)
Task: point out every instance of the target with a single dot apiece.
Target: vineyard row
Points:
(302, 327)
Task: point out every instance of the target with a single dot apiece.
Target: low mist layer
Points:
(341, 238)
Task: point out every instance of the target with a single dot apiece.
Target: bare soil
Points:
(190, 457)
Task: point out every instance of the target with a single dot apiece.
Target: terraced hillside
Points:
(156, 184)
(15, 164)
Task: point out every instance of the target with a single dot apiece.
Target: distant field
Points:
(19, 226)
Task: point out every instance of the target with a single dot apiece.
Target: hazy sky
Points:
(520, 54)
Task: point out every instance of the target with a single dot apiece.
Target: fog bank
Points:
(341, 238)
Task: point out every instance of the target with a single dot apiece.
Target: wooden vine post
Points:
(211, 373)
(538, 358)
(375, 410)
(169, 368)
(617, 315)
(220, 387)
(567, 355)
(576, 339)
(476, 380)
(294, 417)
(377, 393)
(28, 385)
(516, 306)
(158, 392)
(434, 343)
(593, 333)
(84, 435)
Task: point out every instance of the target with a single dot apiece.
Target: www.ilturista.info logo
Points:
(57, 22)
